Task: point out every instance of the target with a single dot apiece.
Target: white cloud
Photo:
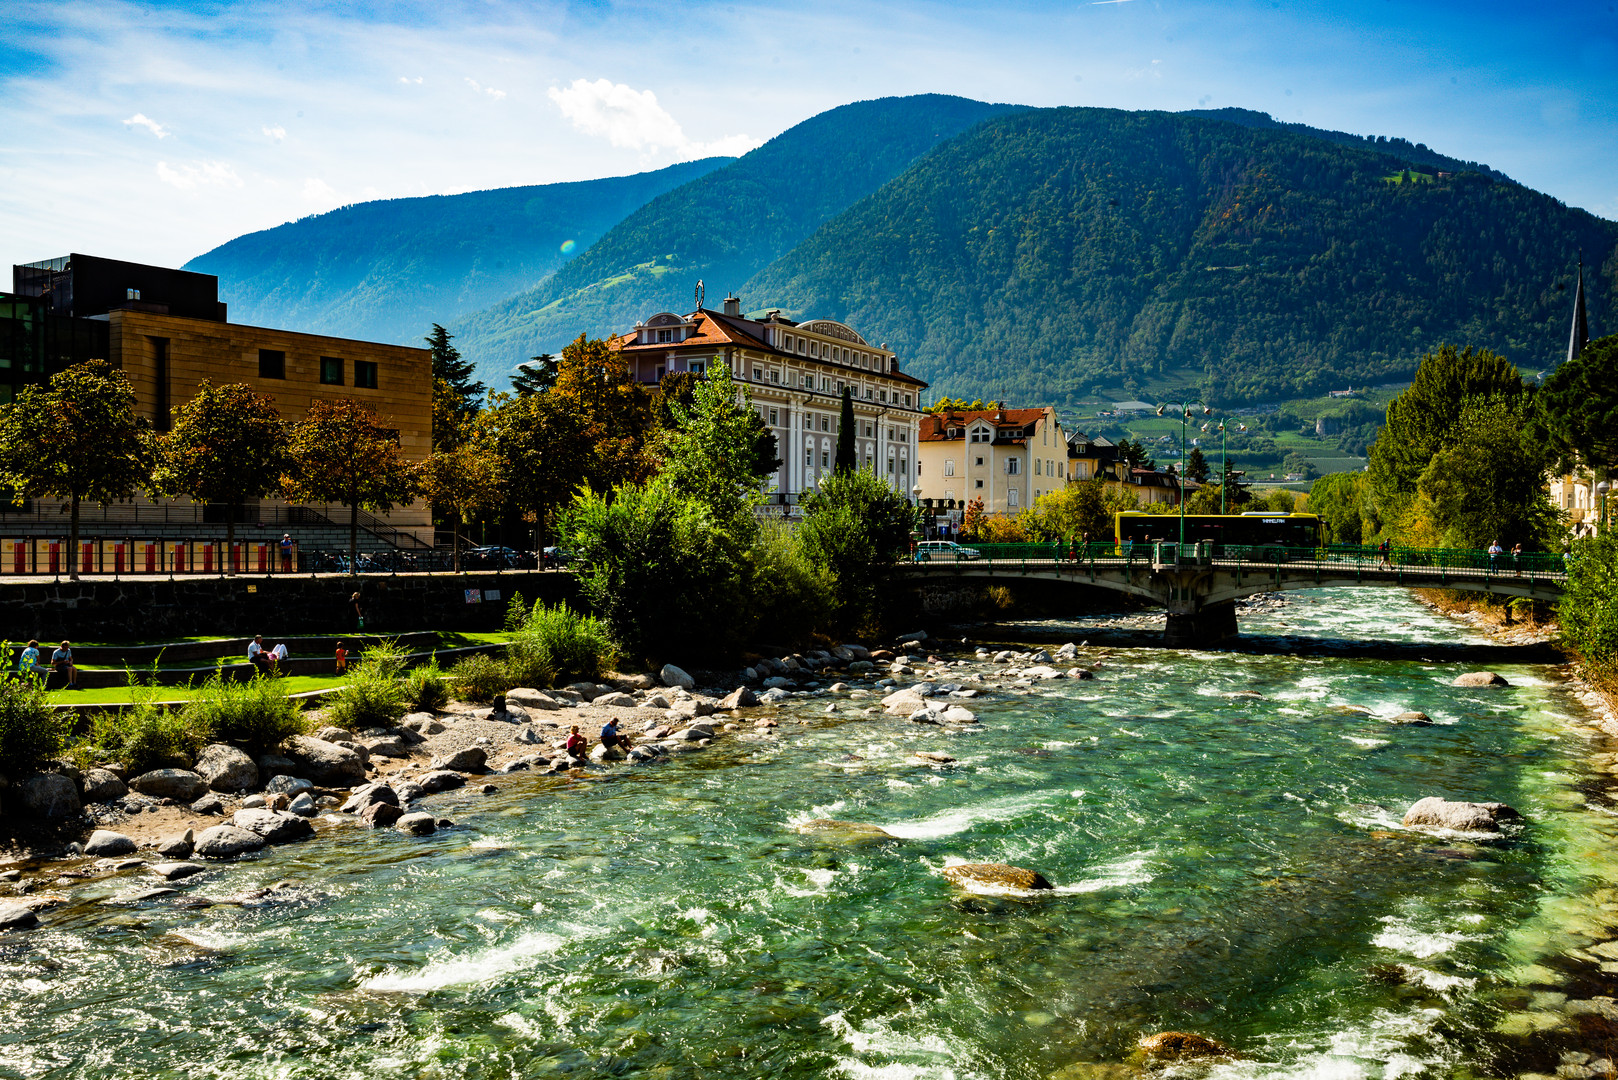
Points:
(190, 176)
(407, 81)
(277, 132)
(632, 118)
(318, 191)
(491, 91)
(142, 120)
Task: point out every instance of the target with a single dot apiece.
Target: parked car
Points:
(555, 558)
(945, 551)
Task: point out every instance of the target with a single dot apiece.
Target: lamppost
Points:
(1224, 448)
(1601, 521)
(1185, 415)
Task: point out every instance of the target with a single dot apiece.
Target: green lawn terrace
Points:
(107, 668)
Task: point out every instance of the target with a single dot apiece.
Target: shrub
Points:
(426, 688)
(560, 644)
(792, 598)
(30, 730)
(374, 695)
(141, 736)
(256, 713)
(1589, 608)
(516, 613)
(479, 678)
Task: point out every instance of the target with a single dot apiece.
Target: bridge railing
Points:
(1422, 561)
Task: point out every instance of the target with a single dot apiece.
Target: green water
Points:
(1225, 865)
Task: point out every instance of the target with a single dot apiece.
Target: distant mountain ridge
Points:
(722, 228)
(386, 270)
(1053, 254)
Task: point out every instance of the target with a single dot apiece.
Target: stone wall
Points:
(147, 609)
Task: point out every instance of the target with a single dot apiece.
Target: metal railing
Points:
(206, 556)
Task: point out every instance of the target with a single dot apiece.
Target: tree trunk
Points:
(354, 537)
(455, 541)
(73, 542)
(230, 538)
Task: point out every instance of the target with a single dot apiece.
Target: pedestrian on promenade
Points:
(1495, 551)
(286, 552)
(1384, 550)
(1516, 559)
(359, 612)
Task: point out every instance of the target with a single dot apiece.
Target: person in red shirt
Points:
(576, 744)
(342, 659)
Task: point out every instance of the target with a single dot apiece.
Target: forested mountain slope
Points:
(1047, 255)
(721, 229)
(387, 270)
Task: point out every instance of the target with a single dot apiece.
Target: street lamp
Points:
(1602, 489)
(1224, 448)
(1185, 415)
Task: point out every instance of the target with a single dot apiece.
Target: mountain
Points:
(1052, 255)
(387, 270)
(720, 229)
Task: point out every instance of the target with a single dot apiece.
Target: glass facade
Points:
(35, 343)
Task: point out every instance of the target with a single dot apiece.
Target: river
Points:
(1225, 864)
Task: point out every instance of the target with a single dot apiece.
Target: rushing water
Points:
(1228, 865)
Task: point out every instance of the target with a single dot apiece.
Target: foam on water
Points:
(462, 970)
(926, 1056)
(953, 822)
(1114, 875)
(1403, 936)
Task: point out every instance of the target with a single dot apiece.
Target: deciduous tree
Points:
(228, 445)
(713, 453)
(856, 526)
(467, 483)
(341, 453)
(1578, 406)
(77, 438)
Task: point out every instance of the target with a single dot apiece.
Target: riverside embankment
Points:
(1223, 831)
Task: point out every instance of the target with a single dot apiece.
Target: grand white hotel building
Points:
(795, 373)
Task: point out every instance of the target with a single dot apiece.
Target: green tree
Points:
(228, 445)
(1588, 611)
(1578, 406)
(455, 393)
(1296, 462)
(1135, 455)
(1235, 493)
(77, 438)
(341, 453)
(543, 452)
(847, 459)
(1078, 511)
(713, 452)
(537, 376)
(856, 527)
(466, 483)
(1196, 466)
(948, 404)
(1336, 498)
(1484, 484)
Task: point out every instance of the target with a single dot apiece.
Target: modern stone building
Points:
(168, 331)
(795, 373)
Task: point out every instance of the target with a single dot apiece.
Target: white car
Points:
(944, 551)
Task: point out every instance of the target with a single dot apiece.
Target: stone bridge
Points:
(1200, 590)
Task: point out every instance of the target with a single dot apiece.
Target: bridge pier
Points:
(1200, 627)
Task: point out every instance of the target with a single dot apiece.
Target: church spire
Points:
(1580, 335)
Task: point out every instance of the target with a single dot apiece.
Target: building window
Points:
(825, 459)
(949, 466)
(890, 465)
(980, 463)
(758, 374)
(1011, 497)
(977, 483)
(365, 374)
(825, 423)
(698, 367)
(1012, 466)
(272, 364)
(867, 393)
(839, 386)
(775, 376)
(808, 457)
(775, 418)
(331, 370)
(1037, 467)
(907, 400)
(904, 467)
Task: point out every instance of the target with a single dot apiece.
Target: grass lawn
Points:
(447, 639)
(119, 695)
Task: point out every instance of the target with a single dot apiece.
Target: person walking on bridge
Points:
(1495, 551)
(1383, 550)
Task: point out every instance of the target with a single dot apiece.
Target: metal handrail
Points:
(1425, 561)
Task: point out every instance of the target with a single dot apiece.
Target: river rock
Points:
(406, 789)
(48, 795)
(227, 841)
(1479, 678)
(182, 785)
(275, 826)
(933, 756)
(17, 917)
(423, 724)
(287, 785)
(304, 805)
(530, 698)
(208, 805)
(602, 752)
(326, 763)
(904, 702)
(693, 733)
(1418, 719)
(998, 875)
(101, 786)
(178, 847)
(334, 734)
(691, 708)
(379, 815)
(103, 843)
(1433, 812)
(1043, 671)
(174, 871)
(368, 795)
(256, 802)
(441, 780)
(955, 714)
(225, 768)
(466, 759)
(673, 676)
(617, 700)
(851, 831)
(740, 698)
(1177, 1045)
(389, 746)
(417, 824)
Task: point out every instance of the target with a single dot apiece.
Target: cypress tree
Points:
(846, 459)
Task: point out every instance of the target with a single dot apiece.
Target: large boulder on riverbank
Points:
(1479, 678)
(904, 702)
(369, 795)
(1436, 813)
(996, 876)
(441, 780)
(529, 698)
(466, 759)
(739, 698)
(226, 842)
(49, 796)
(674, 676)
(417, 824)
(325, 763)
(181, 785)
(17, 917)
(226, 768)
(103, 843)
(275, 826)
(102, 786)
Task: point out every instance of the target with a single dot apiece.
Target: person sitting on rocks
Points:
(576, 744)
(611, 738)
(62, 661)
(257, 655)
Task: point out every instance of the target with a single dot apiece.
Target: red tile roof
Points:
(935, 426)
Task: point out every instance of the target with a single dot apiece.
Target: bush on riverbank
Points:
(255, 713)
(480, 678)
(375, 694)
(1589, 608)
(557, 645)
(141, 737)
(426, 687)
(30, 730)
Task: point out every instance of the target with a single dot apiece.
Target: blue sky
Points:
(156, 131)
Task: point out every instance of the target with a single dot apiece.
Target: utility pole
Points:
(1185, 415)
(1224, 449)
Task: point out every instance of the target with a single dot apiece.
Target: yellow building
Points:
(1006, 457)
